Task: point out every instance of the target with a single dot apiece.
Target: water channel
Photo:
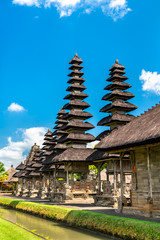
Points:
(53, 230)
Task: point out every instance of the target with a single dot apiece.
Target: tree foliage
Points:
(3, 173)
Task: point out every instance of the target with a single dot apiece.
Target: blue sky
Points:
(38, 39)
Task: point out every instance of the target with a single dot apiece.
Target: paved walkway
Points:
(83, 206)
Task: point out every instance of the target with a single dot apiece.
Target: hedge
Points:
(124, 228)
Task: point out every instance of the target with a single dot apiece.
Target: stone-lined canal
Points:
(53, 230)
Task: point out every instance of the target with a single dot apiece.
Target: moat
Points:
(47, 228)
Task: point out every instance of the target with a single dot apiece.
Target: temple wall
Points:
(140, 188)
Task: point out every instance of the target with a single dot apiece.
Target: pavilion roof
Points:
(72, 154)
(141, 130)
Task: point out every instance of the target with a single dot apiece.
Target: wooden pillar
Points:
(99, 179)
(54, 179)
(149, 175)
(121, 181)
(67, 174)
(115, 176)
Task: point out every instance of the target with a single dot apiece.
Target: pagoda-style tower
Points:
(49, 143)
(76, 127)
(119, 106)
(118, 110)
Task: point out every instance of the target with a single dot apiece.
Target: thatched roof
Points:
(21, 166)
(78, 115)
(117, 77)
(76, 60)
(73, 155)
(115, 118)
(126, 106)
(76, 95)
(76, 87)
(76, 103)
(76, 79)
(76, 72)
(77, 137)
(75, 66)
(144, 129)
(117, 85)
(11, 177)
(102, 135)
(82, 125)
(117, 65)
(118, 94)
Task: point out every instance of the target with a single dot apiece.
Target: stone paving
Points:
(83, 206)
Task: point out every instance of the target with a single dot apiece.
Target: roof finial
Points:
(117, 61)
(49, 130)
(76, 55)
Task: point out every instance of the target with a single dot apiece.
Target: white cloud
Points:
(37, 3)
(151, 81)
(14, 152)
(92, 144)
(114, 8)
(15, 107)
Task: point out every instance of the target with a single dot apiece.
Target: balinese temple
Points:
(75, 139)
(23, 174)
(117, 111)
(49, 143)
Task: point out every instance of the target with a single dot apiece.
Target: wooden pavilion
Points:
(141, 140)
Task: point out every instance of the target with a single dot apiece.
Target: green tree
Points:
(3, 173)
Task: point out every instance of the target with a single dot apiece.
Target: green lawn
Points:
(9, 231)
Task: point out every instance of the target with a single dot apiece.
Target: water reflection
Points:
(55, 231)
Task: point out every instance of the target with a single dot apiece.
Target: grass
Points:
(124, 228)
(9, 231)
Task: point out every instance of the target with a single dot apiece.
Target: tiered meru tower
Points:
(76, 125)
(119, 105)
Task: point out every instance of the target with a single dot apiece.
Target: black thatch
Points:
(77, 137)
(21, 166)
(75, 87)
(118, 105)
(115, 118)
(76, 79)
(76, 104)
(117, 85)
(79, 95)
(76, 155)
(76, 60)
(118, 94)
(144, 129)
(102, 135)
